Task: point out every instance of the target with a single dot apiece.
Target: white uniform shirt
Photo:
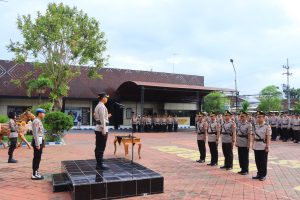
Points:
(261, 132)
(201, 129)
(243, 131)
(101, 114)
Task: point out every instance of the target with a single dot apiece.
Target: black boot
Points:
(11, 160)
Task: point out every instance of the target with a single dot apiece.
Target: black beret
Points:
(227, 112)
(103, 94)
(201, 114)
(243, 112)
(213, 113)
(260, 113)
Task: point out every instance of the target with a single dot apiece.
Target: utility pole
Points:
(288, 74)
(236, 91)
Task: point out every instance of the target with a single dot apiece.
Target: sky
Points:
(193, 37)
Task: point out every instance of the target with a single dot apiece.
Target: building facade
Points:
(142, 92)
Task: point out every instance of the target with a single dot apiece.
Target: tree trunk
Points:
(58, 103)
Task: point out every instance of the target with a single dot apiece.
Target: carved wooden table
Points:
(126, 140)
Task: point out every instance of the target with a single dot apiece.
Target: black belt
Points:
(259, 140)
(201, 133)
(243, 136)
(211, 133)
(224, 133)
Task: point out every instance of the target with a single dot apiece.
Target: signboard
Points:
(184, 121)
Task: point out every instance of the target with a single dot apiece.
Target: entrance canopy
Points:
(163, 92)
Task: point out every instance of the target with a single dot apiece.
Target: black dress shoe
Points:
(215, 164)
(223, 167)
(256, 177)
(101, 167)
(262, 178)
(198, 160)
(12, 161)
(202, 161)
(209, 164)
(244, 173)
(229, 168)
(240, 172)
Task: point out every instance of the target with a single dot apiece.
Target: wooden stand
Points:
(126, 140)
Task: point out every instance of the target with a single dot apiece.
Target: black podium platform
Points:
(122, 179)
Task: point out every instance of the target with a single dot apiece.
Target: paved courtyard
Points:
(171, 154)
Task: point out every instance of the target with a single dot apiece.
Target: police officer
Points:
(296, 128)
(201, 136)
(170, 123)
(285, 123)
(291, 131)
(243, 142)
(273, 122)
(213, 139)
(101, 129)
(37, 143)
(164, 123)
(13, 136)
(175, 121)
(261, 144)
(133, 122)
(228, 132)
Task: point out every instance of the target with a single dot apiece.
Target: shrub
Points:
(55, 124)
(3, 119)
(46, 106)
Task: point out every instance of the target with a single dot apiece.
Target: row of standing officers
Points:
(244, 134)
(156, 123)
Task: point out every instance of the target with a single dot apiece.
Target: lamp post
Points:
(236, 92)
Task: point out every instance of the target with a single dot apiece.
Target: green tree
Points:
(294, 93)
(215, 101)
(245, 106)
(59, 42)
(56, 123)
(270, 99)
(297, 107)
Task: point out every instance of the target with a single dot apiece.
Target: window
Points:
(128, 113)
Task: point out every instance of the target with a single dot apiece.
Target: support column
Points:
(198, 102)
(142, 104)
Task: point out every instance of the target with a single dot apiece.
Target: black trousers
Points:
(12, 146)
(100, 146)
(37, 156)
(228, 154)
(213, 152)
(164, 127)
(291, 134)
(274, 133)
(261, 160)
(139, 128)
(297, 136)
(170, 126)
(285, 133)
(202, 149)
(134, 128)
(243, 153)
(175, 127)
(279, 131)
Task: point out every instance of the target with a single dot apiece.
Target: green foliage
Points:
(297, 107)
(215, 101)
(46, 106)
(55, 124)
(38, 85)
(245, 106)
(59, 41)
(270, 99)
(4, 119)
(294, 93)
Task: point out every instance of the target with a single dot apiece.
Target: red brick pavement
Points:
(172, 155)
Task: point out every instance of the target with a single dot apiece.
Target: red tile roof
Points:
(84, 88)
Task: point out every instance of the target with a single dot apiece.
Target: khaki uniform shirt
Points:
(261, 132)
(273, 121)
(227, 131)
(37, 131)
(285, 121)
(296, 124)
(243, 131)
(101, 114)
(212, 131)
(201, 129)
